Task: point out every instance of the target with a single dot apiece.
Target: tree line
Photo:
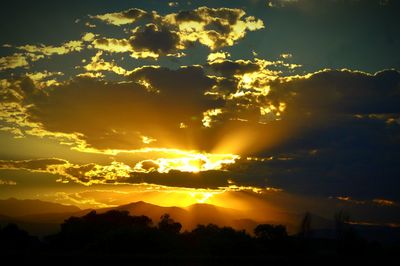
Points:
(119, 233)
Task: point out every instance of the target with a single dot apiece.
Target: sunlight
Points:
(201, 197)
(190, 162)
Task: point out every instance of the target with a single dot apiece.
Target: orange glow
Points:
(233, 197)
(236, 142)
(189, 162)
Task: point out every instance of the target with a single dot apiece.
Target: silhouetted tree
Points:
(305, 226)
(167, 224)
(12, 238)
(349, 241)
(270, 232)
(212, 239)
(113, 230)
(342, 219)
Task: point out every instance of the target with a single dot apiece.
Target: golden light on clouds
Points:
(122, 18)
(188, 161)
(171, 105)
(208, 116)
(217, 56)
(13, 61)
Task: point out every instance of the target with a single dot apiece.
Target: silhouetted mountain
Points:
(37, 228)
(15, 207)
(116, 237)
(190, 216)
(43, 218)
(150, 210)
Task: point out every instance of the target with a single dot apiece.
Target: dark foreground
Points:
(117, 238)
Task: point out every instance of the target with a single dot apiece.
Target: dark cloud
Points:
(34, 164)
(203, 14)
(116, 115)
(230, 68)
(159, 40)
(133, 13)
(343, 137)
(175, 32)
(188, 15)
(338, 136)
(207, 179)
(342, 92)
(189, 83)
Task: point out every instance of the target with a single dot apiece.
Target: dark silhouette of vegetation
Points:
(13, 239)
(214, 240)
(167, 224)
(119, 234)
(270, 232)
(348, 240)
(305, 226)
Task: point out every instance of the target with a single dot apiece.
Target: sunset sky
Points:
(283, 105)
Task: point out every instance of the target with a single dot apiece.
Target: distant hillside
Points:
(40, 212)
(15, 208)
(33, 227)
(43, 218)
(30, 214)
(190, 216)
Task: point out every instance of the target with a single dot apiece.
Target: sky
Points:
(286, 104)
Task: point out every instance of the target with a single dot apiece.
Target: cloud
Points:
(153, 102)
(48, 50)
(87, 174)
(339, 135)
(154, 39)
(384, 202)
(213, 27)
(129, 16)
(149, 41)
(338, 92)
(230, 68)
(244, 100)
(112, 45)
(88, 36)
(377, 202)
(121, 173)
(98, 64)
(217, 56)
(173, 33)
(6, 182)
(156, 35)
(282, 3)
(14, 116)
(13, 61)
(44, 79)
(32, 53)
(325, 131)
(34, 164)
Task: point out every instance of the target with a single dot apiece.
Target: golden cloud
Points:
(13, 61)
(47, 50)
(170, 34)
(121, 18)
(98, 64)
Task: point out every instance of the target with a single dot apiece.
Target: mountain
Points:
(15, 208)
(30, 213)
(33, 227)
(189, 217)
(36, 216)
(43, 218)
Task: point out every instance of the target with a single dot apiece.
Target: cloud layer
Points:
(229, 122)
